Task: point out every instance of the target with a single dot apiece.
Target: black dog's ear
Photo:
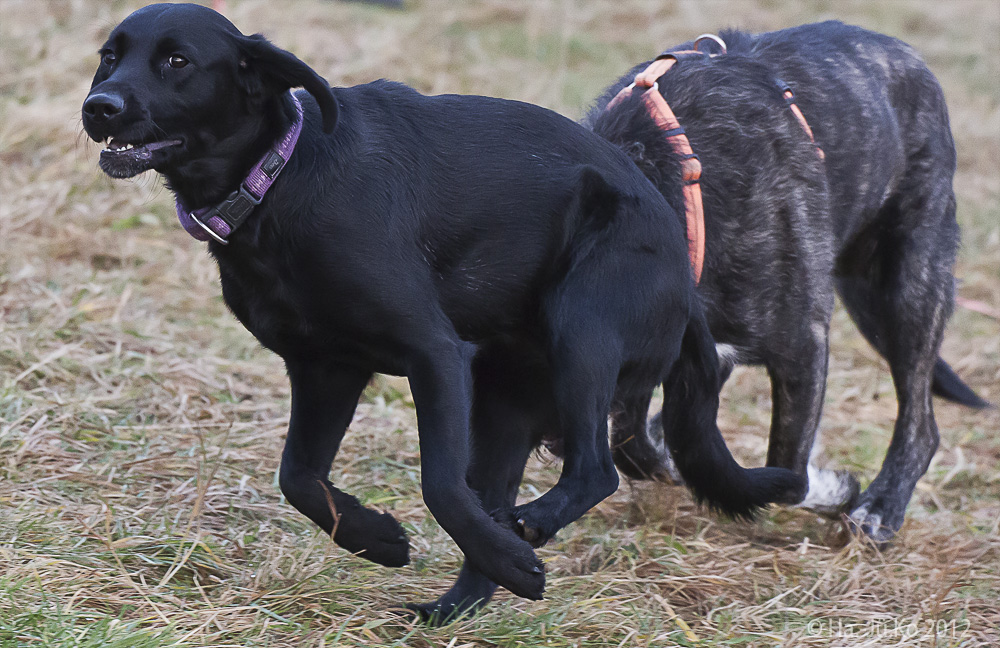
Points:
(267, 70)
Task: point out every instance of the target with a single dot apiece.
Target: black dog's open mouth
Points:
(126, 159)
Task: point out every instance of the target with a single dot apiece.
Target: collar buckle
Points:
(232, 211)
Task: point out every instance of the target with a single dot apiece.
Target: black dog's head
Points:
(179, 85)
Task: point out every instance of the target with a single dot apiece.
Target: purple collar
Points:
(220, 221)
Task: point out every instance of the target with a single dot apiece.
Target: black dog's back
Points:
(471, 168)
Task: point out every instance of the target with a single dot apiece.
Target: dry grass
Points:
(141, 426)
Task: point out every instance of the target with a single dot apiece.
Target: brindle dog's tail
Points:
(690, 407)
(949, 386)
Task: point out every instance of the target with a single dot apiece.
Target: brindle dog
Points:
(873, 222)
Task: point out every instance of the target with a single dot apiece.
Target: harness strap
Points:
(666, 121)
(786, 91)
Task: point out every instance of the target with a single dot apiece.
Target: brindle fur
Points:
(874, 223)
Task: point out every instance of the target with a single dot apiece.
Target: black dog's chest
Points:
(296, 308)
(270, 302)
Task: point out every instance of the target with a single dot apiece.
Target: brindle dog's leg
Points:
(901, 303)
(798, 383)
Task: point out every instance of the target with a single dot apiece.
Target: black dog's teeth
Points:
(115, 145)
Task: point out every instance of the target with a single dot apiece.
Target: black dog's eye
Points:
(177, 61)
(108, 58)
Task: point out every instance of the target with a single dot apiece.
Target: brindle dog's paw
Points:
(870, 520)
(831, 493)
(377, 537)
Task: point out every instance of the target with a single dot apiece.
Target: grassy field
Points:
(141, 426)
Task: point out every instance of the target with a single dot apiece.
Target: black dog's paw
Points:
(520, 523)
(530, 534)
(511, 563)
(423, 612)
(377, 537)
(523, 575)
(388, 545)
(437, 613)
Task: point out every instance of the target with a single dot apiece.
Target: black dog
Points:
(518, 269)
(874, 221)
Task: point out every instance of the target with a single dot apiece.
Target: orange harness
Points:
(665, 119)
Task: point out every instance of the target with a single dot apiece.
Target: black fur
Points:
(519, 270)
(875, 222)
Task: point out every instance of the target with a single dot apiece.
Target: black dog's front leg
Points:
(441, 382)
(324, 398)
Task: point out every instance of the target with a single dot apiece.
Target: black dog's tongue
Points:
(121, 160)
(116, 147)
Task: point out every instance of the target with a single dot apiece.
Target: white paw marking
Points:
(828, 489)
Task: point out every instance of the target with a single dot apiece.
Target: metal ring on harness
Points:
(712, 37)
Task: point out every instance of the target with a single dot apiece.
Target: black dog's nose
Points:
(103, 106)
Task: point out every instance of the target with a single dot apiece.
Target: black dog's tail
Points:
(690, 407)
(949, 386)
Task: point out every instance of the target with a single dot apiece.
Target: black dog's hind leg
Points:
(585, 358)
(901, 304)
(637, 446)
(511, 410)
(442, 386)
(582, 394)
(323, 402)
